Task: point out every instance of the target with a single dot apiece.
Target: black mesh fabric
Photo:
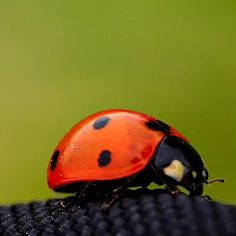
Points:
(136, 213)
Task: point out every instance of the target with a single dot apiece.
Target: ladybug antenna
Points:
(220, 180)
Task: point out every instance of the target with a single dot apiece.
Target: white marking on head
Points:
(194, 174)
(175, 170)
(204, 174)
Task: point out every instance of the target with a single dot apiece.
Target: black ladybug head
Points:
(181, 163)
(194, 180)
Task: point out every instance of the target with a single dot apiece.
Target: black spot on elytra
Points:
(104, 158)
(101, 122)
(54, 159)
(155, 125)
(164, 125)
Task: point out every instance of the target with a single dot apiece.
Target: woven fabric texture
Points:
(136, 213)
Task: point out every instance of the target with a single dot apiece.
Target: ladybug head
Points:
(181, 165)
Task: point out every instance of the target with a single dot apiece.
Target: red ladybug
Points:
(117, 149)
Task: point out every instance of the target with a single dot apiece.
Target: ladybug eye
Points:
(205, 174)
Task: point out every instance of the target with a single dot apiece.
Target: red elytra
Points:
(105, 146)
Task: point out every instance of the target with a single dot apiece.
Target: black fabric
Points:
(136, 213)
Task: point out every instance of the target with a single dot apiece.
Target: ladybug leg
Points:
(207, 198)
(82, 192)
(172, 188)
(79, 195)
(116, 194)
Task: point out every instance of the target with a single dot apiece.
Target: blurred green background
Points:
(63, 60)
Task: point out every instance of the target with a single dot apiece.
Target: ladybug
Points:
(113, 150)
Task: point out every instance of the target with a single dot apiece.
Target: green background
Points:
(63, 60)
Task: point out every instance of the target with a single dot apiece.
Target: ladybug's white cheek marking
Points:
(175, 170)
(194, 174)
(204, 174)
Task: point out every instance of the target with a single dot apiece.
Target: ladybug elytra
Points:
(117, 149)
